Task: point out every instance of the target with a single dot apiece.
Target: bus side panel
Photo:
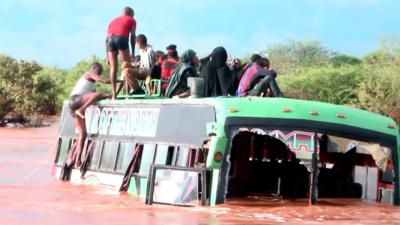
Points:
(138, 186)
(396, 169)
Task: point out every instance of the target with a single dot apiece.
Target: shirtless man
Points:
(120, 31)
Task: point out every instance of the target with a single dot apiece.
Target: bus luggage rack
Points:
(155, 90)
(174, 185)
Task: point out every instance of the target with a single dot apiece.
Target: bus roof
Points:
(283, 108)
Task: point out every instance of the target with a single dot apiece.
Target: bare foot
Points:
(78, 113)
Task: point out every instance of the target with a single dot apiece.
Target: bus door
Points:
(179, 180)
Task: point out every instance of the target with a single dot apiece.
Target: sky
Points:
(63, 32)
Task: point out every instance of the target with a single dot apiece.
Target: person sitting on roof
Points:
(253, 75)
(218, 79)
(267, 87)
(155, 71)
(236, 67)
(177, 85)
(168, 64)
(250, 75)
(133, 75)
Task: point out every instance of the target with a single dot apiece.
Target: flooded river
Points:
(30, 195)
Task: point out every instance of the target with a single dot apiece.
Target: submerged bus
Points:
(204, 150)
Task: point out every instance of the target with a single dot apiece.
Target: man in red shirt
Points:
(117, 42)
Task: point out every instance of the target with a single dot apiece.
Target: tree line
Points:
(306, 70)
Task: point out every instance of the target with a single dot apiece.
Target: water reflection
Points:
(29, 195)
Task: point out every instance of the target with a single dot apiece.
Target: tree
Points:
(8, 69)
(16, 87)
(342, 60)
(22, 89)
(336, 85)
(379, 89)
(27, 88)
(285, 58)
(48, 90)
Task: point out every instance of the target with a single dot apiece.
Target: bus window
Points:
(109, 155)
(387, 176)
(192, 157)
(177, 186)
(183, 155)
(196, 157)
(200, 157)
(124, 156)
(98, 146)
(170, 155)
(161, 154)
(85, 149)
(63, 150)
(147, 158)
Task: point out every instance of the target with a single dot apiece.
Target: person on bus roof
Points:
(133, 75)
(168, 65)
(155, 71)
(254, 74)
(236, 68)
(267, 86)
(118, 33)
(218, 79)
(177, 85)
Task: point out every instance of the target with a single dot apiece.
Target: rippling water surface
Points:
(29, 195)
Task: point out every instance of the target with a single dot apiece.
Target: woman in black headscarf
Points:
(218, 79)
(177, 85)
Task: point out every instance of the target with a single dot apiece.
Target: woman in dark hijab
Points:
(218, 79)
(177, 85)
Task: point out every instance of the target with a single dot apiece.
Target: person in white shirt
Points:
(146, 52)
(131, 74)
(82, 96)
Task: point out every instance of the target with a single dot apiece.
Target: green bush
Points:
(288, 57)
(307, 70)
(379, 90)
(336, 85)
(26, 88)
(17, 86)
(8, 70)
(48, 90)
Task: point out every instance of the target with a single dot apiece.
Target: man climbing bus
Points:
(82, 96)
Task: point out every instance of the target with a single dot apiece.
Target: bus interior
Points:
(264, 165)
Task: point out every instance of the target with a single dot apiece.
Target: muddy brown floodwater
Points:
(30, 195)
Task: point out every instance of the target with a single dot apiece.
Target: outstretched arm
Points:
(93, 76)
(133, 39)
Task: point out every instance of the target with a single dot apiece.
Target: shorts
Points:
(115, 43)
(133, 75)
(74, 103)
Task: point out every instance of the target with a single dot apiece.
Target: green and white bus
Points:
(205, 150)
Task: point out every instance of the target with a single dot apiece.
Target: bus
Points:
(202, 151)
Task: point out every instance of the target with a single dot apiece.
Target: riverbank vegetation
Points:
(306, 70)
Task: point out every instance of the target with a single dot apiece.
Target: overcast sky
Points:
(63, 32)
